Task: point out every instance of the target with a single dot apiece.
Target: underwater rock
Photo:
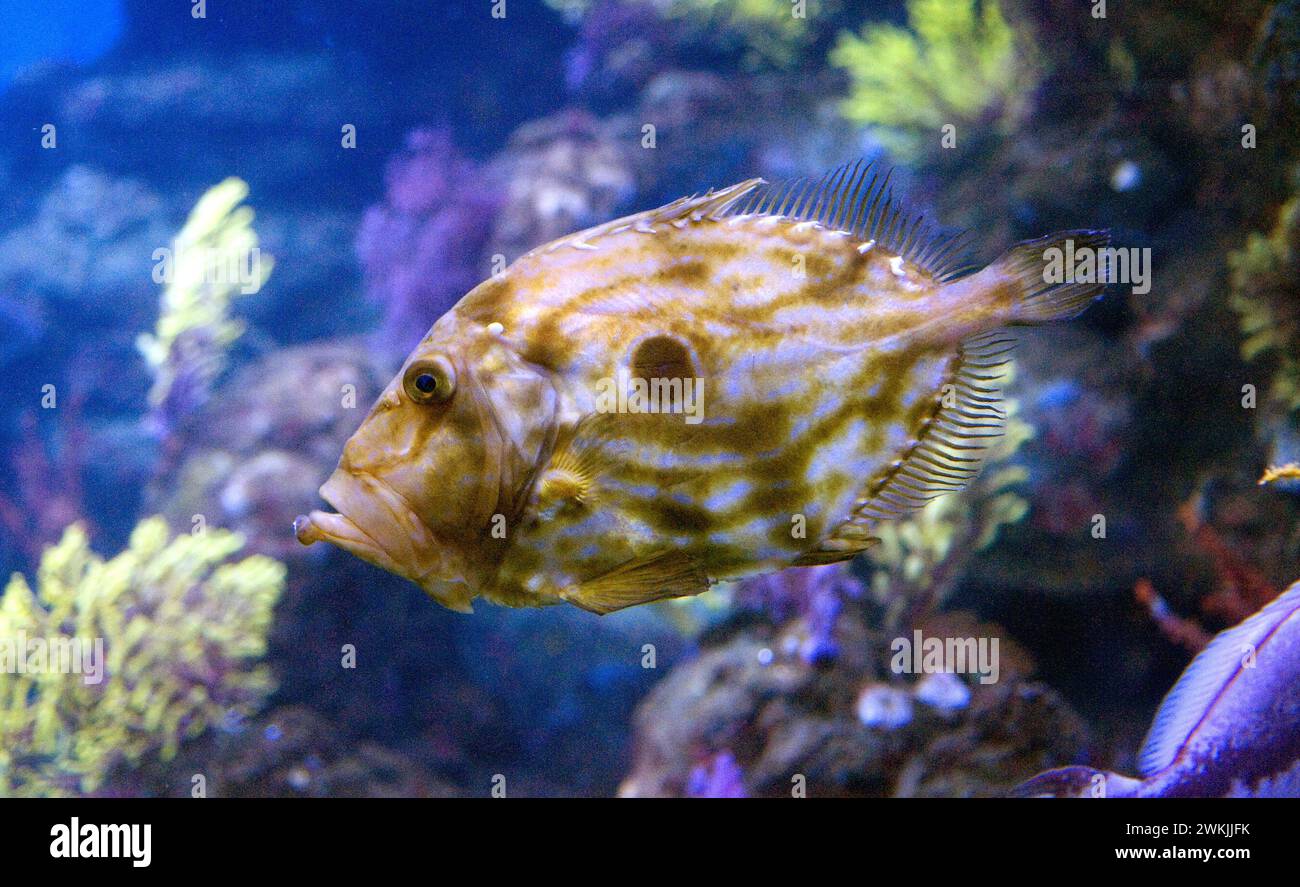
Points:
(169, 104)
(289, 752)
(315, 265)
(780, 718)
(847, 725)
(88, 247)
(561, 174)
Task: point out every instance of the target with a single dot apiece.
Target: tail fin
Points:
(1046, 272)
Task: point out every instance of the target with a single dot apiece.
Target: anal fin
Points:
(950, 446)
(835, 548)
(642, 580)
(845, 542)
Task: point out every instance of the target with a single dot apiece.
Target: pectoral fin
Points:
(581, 455)
(666, 575)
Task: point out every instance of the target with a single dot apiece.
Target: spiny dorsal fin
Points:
(950, 449)
(684, 209)
(1205, 680)
(857, 198)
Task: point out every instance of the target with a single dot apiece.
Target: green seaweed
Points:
(959, 63)
(181, 631)
(1264, 295)
(195, 330)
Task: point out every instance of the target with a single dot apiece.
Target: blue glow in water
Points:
(77, 31)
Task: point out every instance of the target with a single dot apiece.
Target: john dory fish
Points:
(836, 360)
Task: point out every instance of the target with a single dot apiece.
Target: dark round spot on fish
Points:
(662, 357)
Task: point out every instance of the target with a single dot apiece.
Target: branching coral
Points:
(180, 630)
(214, 259)
(959, 64)
(1264, 275)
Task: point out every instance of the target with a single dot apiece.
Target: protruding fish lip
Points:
(377, 525)
(372, 523)
(337, 529)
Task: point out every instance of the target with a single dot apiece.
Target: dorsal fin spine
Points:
(857, 198)
(852, 200)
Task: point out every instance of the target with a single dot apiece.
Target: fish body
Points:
(1228, 728)
(725, 386)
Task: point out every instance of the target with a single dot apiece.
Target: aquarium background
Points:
(390, 153)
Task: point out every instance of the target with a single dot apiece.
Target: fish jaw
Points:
(376, 524)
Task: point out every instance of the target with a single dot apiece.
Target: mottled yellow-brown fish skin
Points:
(820, 361)
(840, 384)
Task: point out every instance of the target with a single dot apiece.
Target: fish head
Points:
(442, 463)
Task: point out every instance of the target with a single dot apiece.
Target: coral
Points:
(1264, 296)
(1275, 473)
(760, 33)
(213, 260)
(424, 246)
(176, 630)
(83, 247)
(719, 777)
(769, 34)
(749, 714)
(1186, 633)
(1240, 587)
(815, 596)
(47, 490)
(563, 173)
(959, 64)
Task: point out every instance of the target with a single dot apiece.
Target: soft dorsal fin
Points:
(857, 198)
(1207, 678)
(950, 449)
(694, 208)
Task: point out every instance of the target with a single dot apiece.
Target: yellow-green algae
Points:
(194, 327)
(182, 631)
(1265, 289)
(771, 32)
(959, 63)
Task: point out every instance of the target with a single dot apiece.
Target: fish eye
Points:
(429, 381)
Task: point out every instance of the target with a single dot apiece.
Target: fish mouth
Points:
(375, 523)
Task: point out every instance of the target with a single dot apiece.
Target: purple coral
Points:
(813, 594)
(422, 248)
(718, 777)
